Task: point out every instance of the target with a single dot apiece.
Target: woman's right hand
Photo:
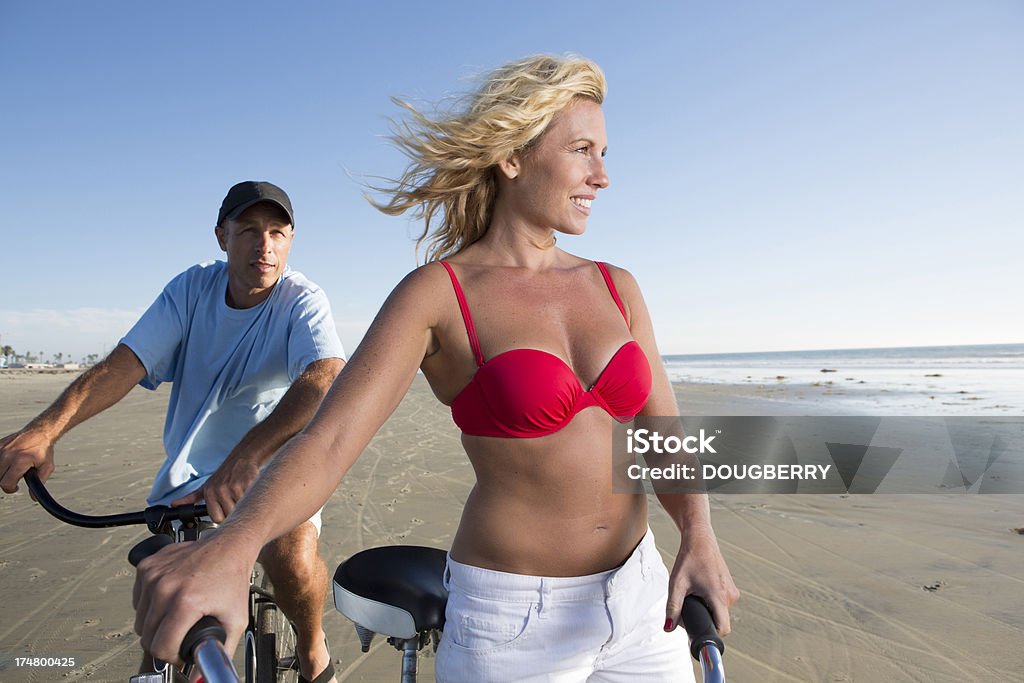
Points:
(184, 582)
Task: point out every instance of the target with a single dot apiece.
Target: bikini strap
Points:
(611, 288)
(466, 318)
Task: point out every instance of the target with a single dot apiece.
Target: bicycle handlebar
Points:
(705, 645)
(154, 517)
(204, 643)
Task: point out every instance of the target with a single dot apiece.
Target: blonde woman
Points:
(551, 574)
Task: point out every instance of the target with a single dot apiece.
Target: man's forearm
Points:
(295, 409)
(98, 388)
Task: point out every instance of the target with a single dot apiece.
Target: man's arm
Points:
(100, 387)
(225, 487)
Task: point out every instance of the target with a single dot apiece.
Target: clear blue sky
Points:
(785, 175)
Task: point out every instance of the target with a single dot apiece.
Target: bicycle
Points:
(269, 636)
(398, 591)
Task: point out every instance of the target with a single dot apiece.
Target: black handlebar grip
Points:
(205, 628)
(699, 626)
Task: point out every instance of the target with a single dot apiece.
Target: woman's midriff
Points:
(545, 506)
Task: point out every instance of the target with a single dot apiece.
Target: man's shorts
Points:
(317, 521)
(603, 627)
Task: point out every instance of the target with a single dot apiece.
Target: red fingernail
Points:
(669, 625)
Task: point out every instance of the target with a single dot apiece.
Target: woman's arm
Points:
(184, 582)
(699, 567)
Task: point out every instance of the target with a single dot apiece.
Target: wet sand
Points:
(835, 588)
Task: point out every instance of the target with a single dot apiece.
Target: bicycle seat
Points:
(146, 547)
(393, 590)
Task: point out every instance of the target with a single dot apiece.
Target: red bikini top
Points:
(526, 393)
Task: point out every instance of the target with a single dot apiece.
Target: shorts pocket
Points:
(482, 626)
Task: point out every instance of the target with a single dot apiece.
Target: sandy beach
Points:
(835, 587)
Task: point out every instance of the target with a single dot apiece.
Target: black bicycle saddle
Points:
(393, 590)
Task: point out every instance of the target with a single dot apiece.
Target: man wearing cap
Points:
(251, 349)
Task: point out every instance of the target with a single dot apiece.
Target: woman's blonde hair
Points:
(453, 157)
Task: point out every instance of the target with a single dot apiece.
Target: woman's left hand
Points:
(700, 570)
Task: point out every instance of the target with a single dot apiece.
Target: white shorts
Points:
(605, 627)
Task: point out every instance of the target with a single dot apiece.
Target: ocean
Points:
(985, 380)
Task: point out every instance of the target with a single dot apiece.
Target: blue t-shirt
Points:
(229, 366)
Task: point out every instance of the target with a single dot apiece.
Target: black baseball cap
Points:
(249, 192)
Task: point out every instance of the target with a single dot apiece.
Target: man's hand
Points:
(20, 452)
(700, 570)
(225, 487)
(184, 582)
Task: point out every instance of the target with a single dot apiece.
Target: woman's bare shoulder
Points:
(623, 279)
(423, 283)
(414, 309)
